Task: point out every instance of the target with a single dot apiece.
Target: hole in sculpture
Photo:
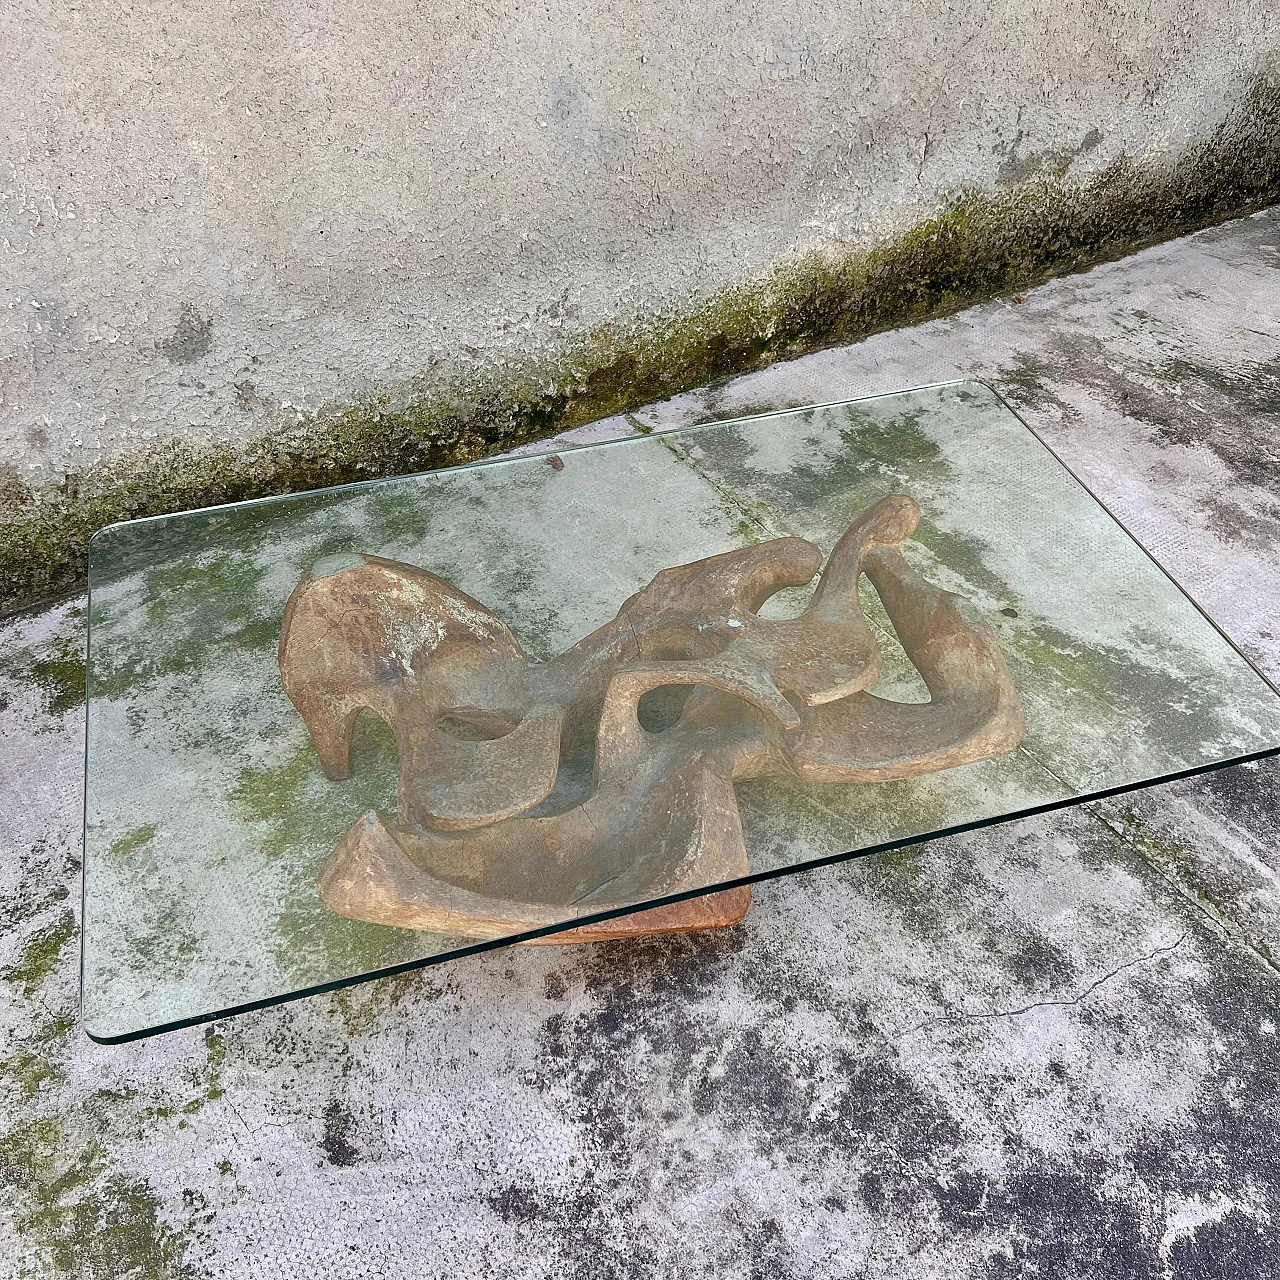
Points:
(477, 724)
(788, 603)
(373, 750)
(661, 708)
(899, 680)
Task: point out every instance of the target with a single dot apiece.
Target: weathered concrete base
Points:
(1048, 1049)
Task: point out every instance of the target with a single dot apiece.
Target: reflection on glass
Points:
(374, 726)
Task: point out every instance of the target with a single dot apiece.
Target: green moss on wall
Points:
(982, 243)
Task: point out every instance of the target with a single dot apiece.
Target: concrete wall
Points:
(219, 225)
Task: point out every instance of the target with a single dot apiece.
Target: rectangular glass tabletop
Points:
(488, 715)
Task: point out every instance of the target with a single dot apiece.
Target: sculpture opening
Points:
(534, 793)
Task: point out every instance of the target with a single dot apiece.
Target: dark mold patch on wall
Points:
(979, 245)
(192, 337)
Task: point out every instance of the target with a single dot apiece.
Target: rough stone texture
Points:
(1047, 1049)
(219, 225)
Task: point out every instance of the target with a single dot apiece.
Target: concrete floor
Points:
(1048, 1049)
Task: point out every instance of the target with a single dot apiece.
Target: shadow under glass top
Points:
(494, 717)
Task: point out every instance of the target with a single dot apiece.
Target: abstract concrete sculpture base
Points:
(536, 793)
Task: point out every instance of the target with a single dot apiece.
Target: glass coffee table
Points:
(566, 698)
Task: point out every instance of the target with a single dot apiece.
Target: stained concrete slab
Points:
(1047, 1049)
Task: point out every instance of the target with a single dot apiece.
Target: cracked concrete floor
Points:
(1048, 1049)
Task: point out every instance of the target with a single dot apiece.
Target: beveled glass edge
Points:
(478, 948)
(353, 486)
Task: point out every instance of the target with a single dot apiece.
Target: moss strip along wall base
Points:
(978, 245)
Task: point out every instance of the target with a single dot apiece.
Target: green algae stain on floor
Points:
(209, 1078)
(302, 817)
(53, 667)
(185, 605)
(300, 808)
(134, 840)
(79, 1219)
(161, 938)
(40, 954)
(1138, 827)
(38, 1060)
(213, 589)
(60, 678)
(29, 1069)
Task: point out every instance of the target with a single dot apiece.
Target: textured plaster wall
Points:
(214, 223)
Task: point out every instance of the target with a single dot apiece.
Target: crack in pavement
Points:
(964, 1016)
(1221, 923)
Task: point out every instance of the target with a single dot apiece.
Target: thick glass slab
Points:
(209, 817)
